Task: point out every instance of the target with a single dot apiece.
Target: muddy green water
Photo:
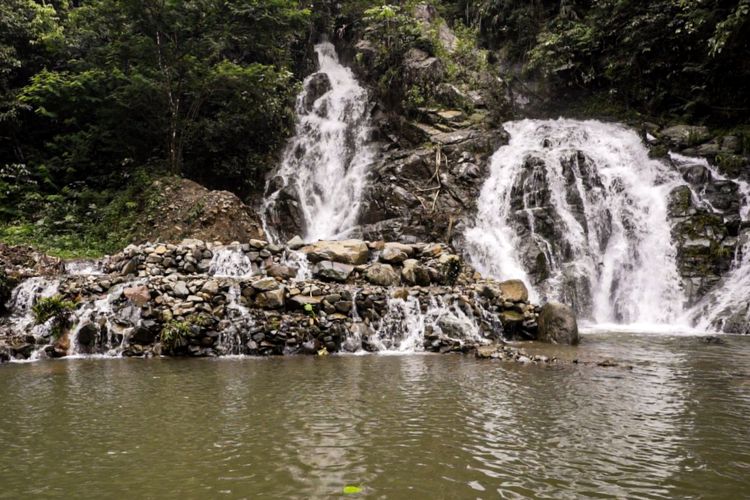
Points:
(676, 425)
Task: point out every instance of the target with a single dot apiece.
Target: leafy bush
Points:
(54, 308)
(174, 334)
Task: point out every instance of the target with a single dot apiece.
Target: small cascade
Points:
(231, 262)
(98, 327)
(408, 326)
(579, 210)
(297, 260)
(727, 307)
(25, 295)
(84, 267)
(230, 338)
(324, 168)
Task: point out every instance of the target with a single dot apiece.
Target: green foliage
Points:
(664, 57)
(55, 308)
(174, 334)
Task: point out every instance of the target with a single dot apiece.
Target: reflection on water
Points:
(673, 425)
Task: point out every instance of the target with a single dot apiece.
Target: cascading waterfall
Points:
(581, 208)
(326, 163)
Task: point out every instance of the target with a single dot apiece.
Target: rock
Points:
(142, 335)
(4, 354)
(415, 273)
(273, 299)
(210, 287)
(88, 334)
(180, 290)
(334, 271)
(394, 253)
(131, 267)
(419, 66)
(281, 271)
(265, 284)
(353, 252)
(514, 291)
(685, 135)
(557, 324)
(316, 85)
(382, 275)
(138, 295)
(303, 300)
(295, 243)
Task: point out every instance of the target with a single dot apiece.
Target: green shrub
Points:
(56, 308)
(174, 334)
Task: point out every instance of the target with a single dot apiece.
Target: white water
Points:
(230, 262)
(609, 251)
(404, 327)
(328, 159)
(23, 298)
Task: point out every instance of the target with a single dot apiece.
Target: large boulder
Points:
(382, 274)
(557, 324)
(514, 291)
(353, 252)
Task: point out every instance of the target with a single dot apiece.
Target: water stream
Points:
(578, 209)
(326, 163)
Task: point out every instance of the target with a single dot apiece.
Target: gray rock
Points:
(685, 135)
(131, 267)
(557, 324)
(180, 290)
(335, 271)
(295, 243)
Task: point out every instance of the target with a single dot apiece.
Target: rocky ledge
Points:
(207, 299)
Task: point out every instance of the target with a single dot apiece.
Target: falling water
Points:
(580, 207)
(326, 163)
(230, 262)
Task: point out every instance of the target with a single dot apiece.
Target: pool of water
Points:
(670, 421)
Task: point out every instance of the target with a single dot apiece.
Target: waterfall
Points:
(579, 210)
(325, 165)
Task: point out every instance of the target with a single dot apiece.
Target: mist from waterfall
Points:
(579, 210)
(326, 163)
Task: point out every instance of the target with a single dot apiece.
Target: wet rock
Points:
(295, 243)
(88, 334)
(130, 267)
(335, 271)
(210, 287)
(4, 354)
(317, 85)
(382, 275)
(557, 324)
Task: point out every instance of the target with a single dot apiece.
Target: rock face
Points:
(557, 324)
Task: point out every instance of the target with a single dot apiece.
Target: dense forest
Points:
(99, 97)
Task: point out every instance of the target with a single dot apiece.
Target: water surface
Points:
(429, 426)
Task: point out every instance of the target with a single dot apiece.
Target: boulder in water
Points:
(514, 291)
(353, 252)
(315, 87)
(557, 324)
(87, 334)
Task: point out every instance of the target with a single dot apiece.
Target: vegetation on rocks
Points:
(55, 308)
